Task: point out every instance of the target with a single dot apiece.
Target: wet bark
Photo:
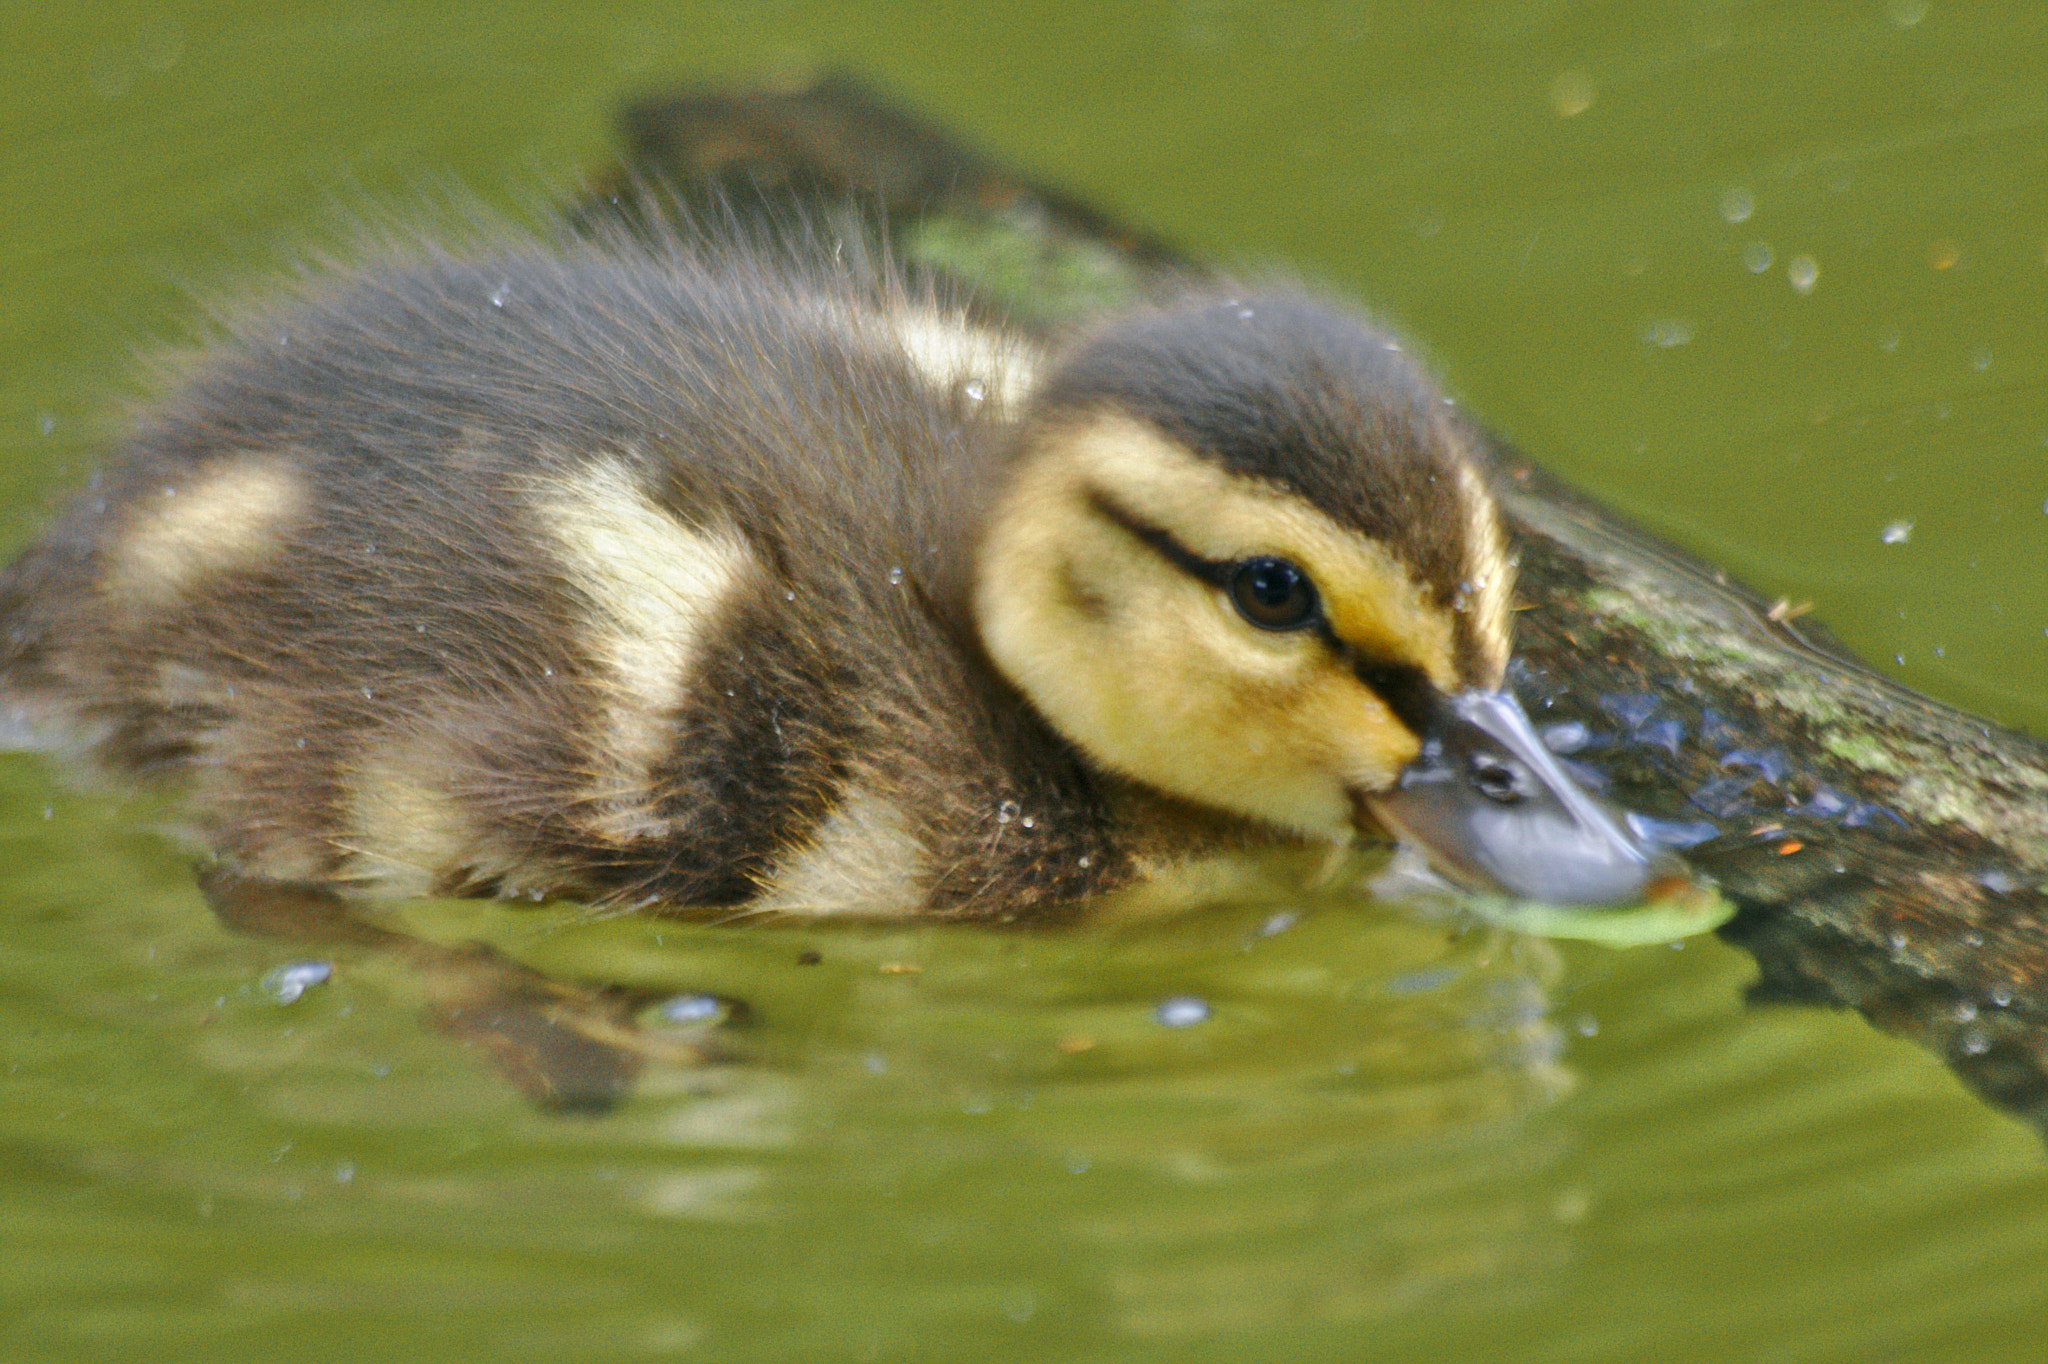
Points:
(1888, 854)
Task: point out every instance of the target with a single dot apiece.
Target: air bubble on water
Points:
(1007, 811)
(287, 983)
(1737, 205)
(1803, 272)
(1666, 332)
(1757, 257)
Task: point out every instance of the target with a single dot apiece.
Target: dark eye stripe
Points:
(1173, 551)
(1404, 687)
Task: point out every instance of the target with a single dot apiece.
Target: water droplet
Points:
(975, 390)
(1896, 532)
(1666, 332)
(2000, 996)
(789, 595)
(287, 983)
(1803, 272)
(369, 695)
(46, 423)
(1737, 205)
(1567, 736)
(1975, 1043)
(1244, 314)
(1084, 861)
(1007, 811)
(895, 577)
(1182, 1011)
(1906, 13)
(1757, 257)
(1888, 339)
(1585, 1025)
(1572, 93)
(1278, 922)
(500, 294)
(874, 1063)
(1980, 360)
(691, 1009)
(1029, 822)
(1898, 942)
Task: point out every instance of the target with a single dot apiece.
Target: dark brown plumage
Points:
(732, 579)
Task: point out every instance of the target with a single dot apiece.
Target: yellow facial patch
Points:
(1371, 601)
(1152, 670)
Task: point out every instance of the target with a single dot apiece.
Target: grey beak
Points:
(1495, 813)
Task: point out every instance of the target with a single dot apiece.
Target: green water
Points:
(1385, 1143)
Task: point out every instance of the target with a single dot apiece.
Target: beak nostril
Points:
(1502, 782)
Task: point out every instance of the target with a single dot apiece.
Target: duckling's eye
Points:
(1273, 594)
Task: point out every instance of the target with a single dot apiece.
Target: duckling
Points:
(727, 578)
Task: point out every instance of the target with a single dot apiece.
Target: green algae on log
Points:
(1886, 853)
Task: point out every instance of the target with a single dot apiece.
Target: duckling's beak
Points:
(1496, 814)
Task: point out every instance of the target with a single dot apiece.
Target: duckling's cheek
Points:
(1357, 737)
(232, 517)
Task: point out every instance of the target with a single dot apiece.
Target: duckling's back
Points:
(629, 576)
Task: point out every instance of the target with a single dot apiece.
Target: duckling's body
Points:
(729, 579)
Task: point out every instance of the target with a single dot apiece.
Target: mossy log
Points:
(1887, 853)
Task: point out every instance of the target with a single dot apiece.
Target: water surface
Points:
(1768, 277)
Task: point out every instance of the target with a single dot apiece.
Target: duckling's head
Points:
(1247, 555)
